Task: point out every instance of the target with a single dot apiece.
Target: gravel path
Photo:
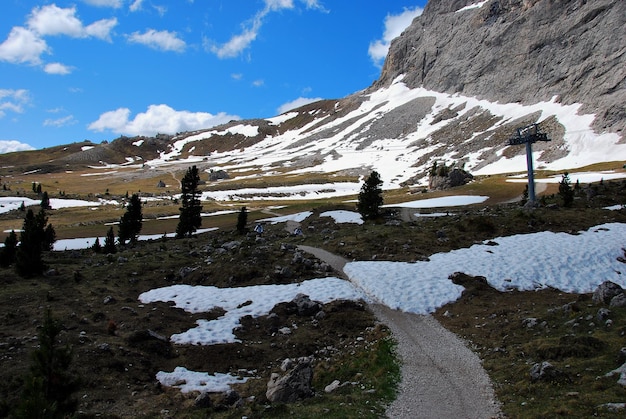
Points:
(441, 376)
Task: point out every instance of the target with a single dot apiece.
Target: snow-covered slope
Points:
(401, 132)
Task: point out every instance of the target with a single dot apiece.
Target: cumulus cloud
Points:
(157, 119)
(238, 43)
(10, 146)
(13, 100)
(26, 45)
(52, 20)
(301, 101)
(159, 40)
(116, 4)
(57, 68)
(23, 46)
(394, 25)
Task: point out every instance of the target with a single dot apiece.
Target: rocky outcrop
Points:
(519, 51)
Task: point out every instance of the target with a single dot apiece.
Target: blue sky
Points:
(97, 69)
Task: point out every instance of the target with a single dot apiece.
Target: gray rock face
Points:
(520, 51)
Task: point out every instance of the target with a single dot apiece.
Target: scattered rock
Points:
(621, 371)
(203, 401)
(618, 301)
(229, 399)
(613, 407)
(545, 371)
(530, 322)
(231, 245)
(293, 386)
(606, 291)
(603, 314)
(332, 386)
(109, 300)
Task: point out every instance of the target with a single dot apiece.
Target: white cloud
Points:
(26, 45)
(23, 46)
(136, 5)
(60, 122)
(13, 100)
(116, 4)
(301, 101)
(57, 68)
(101, 29)
(240, 42)
(52, 20)
(394, 25)
(10, 146)
(258, 83)
(236, 76)
(159, 40)
(157, 119)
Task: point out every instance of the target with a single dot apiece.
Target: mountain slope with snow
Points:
(452, 96)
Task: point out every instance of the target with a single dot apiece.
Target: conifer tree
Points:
(109, 242)
(190, 211)
(370, 197)
(49, 385)
(242, 220)
(131, 221)
(565, 190)
(45, 201)
(34, 239)
(96, 247)
(7, 253)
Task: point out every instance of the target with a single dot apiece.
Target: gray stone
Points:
(618, 301)
(606, 291)
(293, 386)
(203, 401)
(545, 371)
(603, 314)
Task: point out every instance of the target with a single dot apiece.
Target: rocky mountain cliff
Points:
(520, 51)
(454, 88)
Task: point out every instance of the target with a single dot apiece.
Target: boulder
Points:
(292, 386)
(545, 371)
(606, 291)
(618, 301)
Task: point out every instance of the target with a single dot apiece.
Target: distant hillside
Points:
(454, 88)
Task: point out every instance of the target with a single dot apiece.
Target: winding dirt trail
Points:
(441, 376)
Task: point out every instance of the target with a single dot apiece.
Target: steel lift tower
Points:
(528, 135)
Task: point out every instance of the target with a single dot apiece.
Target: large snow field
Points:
(575, 263)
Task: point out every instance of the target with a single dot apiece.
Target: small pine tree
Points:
(190, 211)
(49, 385)
(370, 197)
(96, 247)
(22, 207)
(109, 242)
(565, 190)
(242, 220)
(28, 258)
(7, 253)
(131, 221)
(45, 201)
